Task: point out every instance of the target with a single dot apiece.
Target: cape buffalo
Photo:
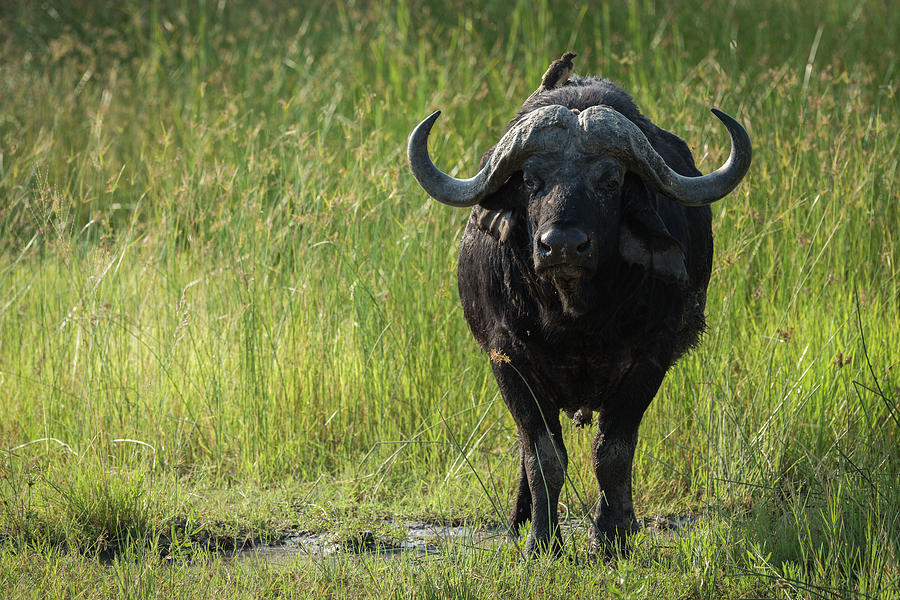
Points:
(583, 271)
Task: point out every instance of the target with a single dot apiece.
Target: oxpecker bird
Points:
(558, 72)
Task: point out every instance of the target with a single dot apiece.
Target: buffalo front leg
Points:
(542, 461)
(545, 466)
(612, 452)
(521, 512)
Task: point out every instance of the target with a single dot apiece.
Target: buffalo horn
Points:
(439, 185)
(596, 130)
(545, 130)
(610, 132)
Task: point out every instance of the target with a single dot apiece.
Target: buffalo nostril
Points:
(549, 242)
(563, 243)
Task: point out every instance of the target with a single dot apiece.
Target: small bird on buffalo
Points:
(558, 72)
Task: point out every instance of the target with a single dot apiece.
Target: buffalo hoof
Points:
(537, 548)
(514, 529)
(611, 539)
(518, 518)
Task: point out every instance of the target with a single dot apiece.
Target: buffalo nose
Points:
(557, 245)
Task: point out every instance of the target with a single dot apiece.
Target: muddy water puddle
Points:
(421, 539)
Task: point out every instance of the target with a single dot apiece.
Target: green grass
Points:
(227, 309)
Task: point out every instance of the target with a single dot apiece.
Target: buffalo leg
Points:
(521, 512)
(543, 460)
(545, 464)
(612, 452)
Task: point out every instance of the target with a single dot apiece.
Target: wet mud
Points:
(421, 539)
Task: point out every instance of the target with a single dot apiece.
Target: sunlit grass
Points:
(223, 299)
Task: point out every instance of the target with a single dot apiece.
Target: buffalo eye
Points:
(609, 185)
(532, 183)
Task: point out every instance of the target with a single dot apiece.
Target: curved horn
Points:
(610, 131)
(545, 129)
(439, 185)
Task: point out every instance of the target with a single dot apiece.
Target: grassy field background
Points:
(227, 309)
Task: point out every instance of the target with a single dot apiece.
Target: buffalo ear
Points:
(644, 238)
(497, 213)
(499, 223)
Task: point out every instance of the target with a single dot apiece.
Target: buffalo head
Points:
(575, 171)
